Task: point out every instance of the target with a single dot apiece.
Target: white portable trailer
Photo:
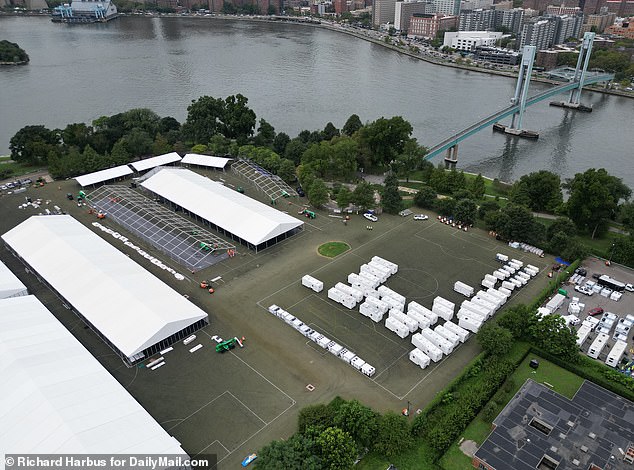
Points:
(387, 292)
(418, 317)
(393, 303)
(419, 358)
(366, 310)
(348, 302)
(501, 258)
(484, 303)
(508, 285)
(378, 304)
(450, 336)
(598, 345)
(505, 291)
(379, 267)
(470, 323)
(397, 327)
(371, 279)
(422, 343)
(458, 330)
(316, 336)
(273, 309)
(356, 294)
(498, 295)
(366, 268)
(491, 277)
(347, 356)
(479, 310)
(616, 353)
(501, 274)
(582, 334)
(377, 317)
(415, 306)
(335, 348)
(323, 342)
(444, 302)
(488, 284)
(509, 269)
(516, 261)
(367, 369)
(357, 363)
(490, 298)
(514, 265)
(464, 289)
(442, 311)
(523, 275)
(556, 302)
(389, 264)
(411, 324)
(312, 283)
(335, 294)
(445, 346)
(518, 284)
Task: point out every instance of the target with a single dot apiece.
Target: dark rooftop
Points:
(542, 429)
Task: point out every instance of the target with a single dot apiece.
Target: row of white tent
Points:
(331, 346)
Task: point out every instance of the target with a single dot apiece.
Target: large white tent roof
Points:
(127, 304)
(59, 399)
(10, 285)
(205, 160)
(152, 162)
(103, 175)
(241, 215)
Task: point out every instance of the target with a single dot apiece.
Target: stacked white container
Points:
(426, 346)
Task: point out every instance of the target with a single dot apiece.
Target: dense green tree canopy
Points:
(32, 144)
(391, 200)
(352, 125)
(336, 449)
(363, 195)
(552, 334)
(540, 191)
(495, 340)
(393, 436)
(11, 52)
(382, 140)
(465, 211)
(208, 116)
(425, 197)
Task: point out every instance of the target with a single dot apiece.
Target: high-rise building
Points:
(477, 20)
(427, 26)
(540, 34)
(622, 8)
(447, 7)
(601, 21)
(341, 6)
(513, 19)
(475, 4)
(383, 12)
(404, 11)
(567, 26)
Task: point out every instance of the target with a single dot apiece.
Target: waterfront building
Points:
(85, 11)
(497, 55)
(383, 12)
(341, 6)
(427, 26)
(540, 33)
(567, 26)
(469, 40)
(403, 12)
(477, 20)
(447, 7)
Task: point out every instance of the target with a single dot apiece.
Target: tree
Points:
(138, 142)
(31, 144)
(286, 170)
(626, 215)
(391, 199)
(295, 453)
(594, 196)
(477, 186)
(466, 211)
(363, 195)
(487, 206)
(384, 139)
(518, 319)
(358, 420)
(332, 158)
(204, 119)
(330, 131)
(266, 135)
(199, 148)
(352, 125)
(495, 340)
(316, 416)
(515, 222)
(540, 191)
(445, 206)
(161, 145)
(425, 197)
(280, 142)
(344, 197)
(77, 134)
(238, 118)
(336, 449)
(317, 193)
(393, 436)
(553, 335)
(563, 225)
(409, 159)
(294, 150)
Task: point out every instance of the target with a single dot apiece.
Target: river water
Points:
(296, 77)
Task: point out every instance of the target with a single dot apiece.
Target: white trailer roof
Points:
(159, 160)
(59, 398)
(236, 213)
(127, 304)
(103, 175)
(10, 285)
(205, 160)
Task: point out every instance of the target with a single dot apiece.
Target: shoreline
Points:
(357, 35)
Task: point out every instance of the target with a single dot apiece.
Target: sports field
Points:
(233, 403)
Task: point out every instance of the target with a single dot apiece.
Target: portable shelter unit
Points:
(347, 356)
(419, 358)
(488, 283)
(386, 291)
(445, 303)
(515, 265)
(518, 262)
(523, 275)
(415, 306)
(90, 179)
(438, 341)
(506, 291)
(418, 317)
(393, 303)
(312, 283)
(379, 267)
(411, 324)
(470, 323)
(616, 353)
(502, 296)
(450, 336)
(501, 258)
(519, 282)
(490, 298)
(442, 311)
(370, 278)
(273, 309)
(153, 162)
(61, 399)
(508, 285)
(500, 274)
(335, 348)
(464, 289)
(490, 277)
(358, 363)
(556, 302)
(458, 330)
(485, 304)
(324, 342)
(10, 285)
(397, 327)
(582, 334)
(377, 304)
(208, 161)
(509, 269)
(104, 287)
(367, 369)
(478, 309)
(366, 268)
(240, 217)
(598, 345)
(426, 346)
(356, 294)
(393, 266)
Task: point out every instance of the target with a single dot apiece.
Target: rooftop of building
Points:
(542, 429)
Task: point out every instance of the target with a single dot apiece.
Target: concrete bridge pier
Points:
(451, 158)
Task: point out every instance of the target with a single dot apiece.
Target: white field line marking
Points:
(252, 412)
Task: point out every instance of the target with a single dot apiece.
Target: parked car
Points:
(629, 287)
(248, 459)
(300, 191)
(581, 271)
(595, 311)
(420, 217)
(371, 217)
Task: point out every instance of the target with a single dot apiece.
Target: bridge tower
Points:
(579, 76)
(521, 90)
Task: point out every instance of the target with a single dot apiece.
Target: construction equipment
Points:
(226, 345)
(307, 213)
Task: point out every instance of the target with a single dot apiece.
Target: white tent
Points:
(103, 175)
(205, 160)
(244, 217)
(10, 285)
(59, 399)
(130, 307)
(159, 160)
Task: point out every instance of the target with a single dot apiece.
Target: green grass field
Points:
(332, 249)
(560, 380)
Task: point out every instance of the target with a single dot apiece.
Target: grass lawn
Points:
(418, 458)
(562, 381)
(332, 249)
(16, 169)
(601, 246)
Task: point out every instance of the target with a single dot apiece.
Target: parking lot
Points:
(621, 308)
